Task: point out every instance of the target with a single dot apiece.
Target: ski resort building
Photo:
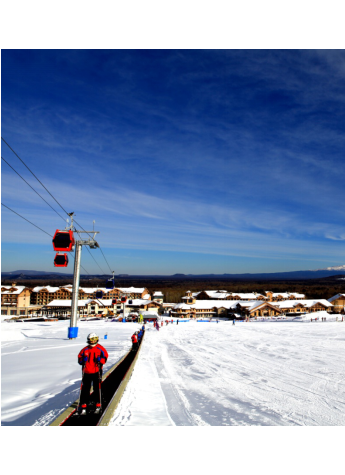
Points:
(100, 307)
(15, 299)
(20, 300)
(303, 306)
(280, 296)
(158, 297)
(338, 301)
(44, 295)
(225, 295)
(246, 309)
(222, 295)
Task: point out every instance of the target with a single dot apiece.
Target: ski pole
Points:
(81, 385)
(100, 384)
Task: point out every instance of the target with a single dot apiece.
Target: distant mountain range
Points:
(294, 275)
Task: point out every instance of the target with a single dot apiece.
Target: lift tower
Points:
(64, 241)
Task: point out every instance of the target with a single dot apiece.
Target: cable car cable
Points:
(2, 204)
(105, 259)
(33, 174)
(42, 199)
(2, 158)
(41, 183)
(45, 188)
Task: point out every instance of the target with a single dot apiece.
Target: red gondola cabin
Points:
(61, 260)
(63, 240)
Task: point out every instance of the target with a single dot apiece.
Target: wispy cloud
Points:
(204, 151)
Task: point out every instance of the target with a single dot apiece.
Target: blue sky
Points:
(192, 161)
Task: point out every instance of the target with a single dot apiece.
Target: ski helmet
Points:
(92, 338)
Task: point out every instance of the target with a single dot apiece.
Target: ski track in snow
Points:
(187, 374)
(250, 374)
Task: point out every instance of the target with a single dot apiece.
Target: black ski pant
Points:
(88, 379)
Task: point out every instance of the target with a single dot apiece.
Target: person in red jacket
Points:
(135, 341)
(92, 358)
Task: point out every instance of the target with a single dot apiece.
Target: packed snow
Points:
(190, 374)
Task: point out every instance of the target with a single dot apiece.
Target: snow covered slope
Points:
(259, 374)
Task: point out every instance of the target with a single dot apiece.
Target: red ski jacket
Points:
(94, 356)
(134, 339)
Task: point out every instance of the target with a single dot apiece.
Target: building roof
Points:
(336, 297)
(131, 290)
(48, 288)
(304, 303)
(222, 294)
(285, 295)
(19, 289)
(92, 290)
(209, 304)
(183, 306)
(247, 296)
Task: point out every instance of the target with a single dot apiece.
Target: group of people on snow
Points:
(136, 337)
(92, 358)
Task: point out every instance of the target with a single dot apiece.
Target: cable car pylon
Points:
(64, 241)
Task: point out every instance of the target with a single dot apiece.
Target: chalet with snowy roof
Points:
(303, 306)
(44, 295)
(222, 295)
(135, 292)
(15, 299)
(102, 307)
(280, 296)
(338, 302)
(158, 297)
(246, 296)
(244, 309)
(205, 309)
(258, 309)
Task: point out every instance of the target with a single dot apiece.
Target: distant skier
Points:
(233, 322)
(134, 338)
(177, 322)
(92, 358)
(157, 326)
(161, 323)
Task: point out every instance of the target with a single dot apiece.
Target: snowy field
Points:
(191, 374)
